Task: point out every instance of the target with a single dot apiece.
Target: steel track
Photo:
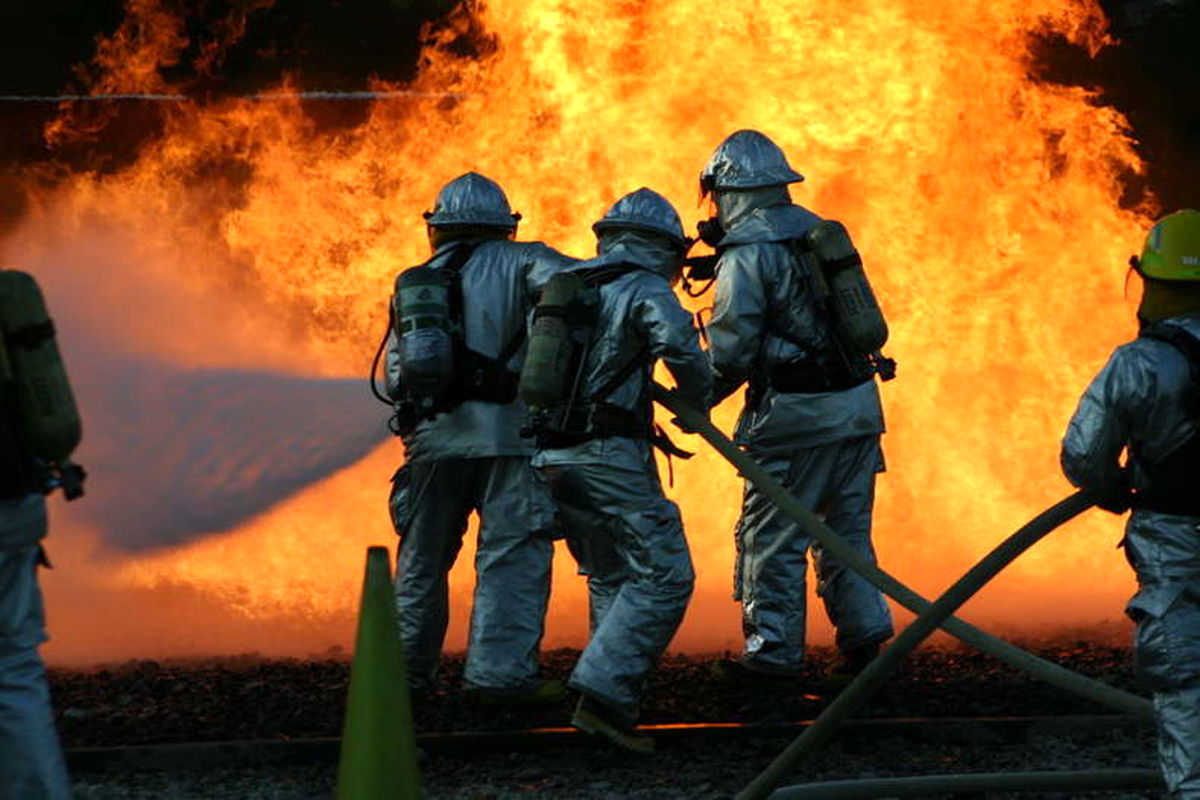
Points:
(957, 730)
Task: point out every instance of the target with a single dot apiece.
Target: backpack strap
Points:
(599, 276)
(1171, 479)
(459, 256)
(1187, 345)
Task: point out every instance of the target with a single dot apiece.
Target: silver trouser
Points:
(1164, 551)
(836, 481)
(628, 539)
(31, 762)
(430, 503)
(1178, 716)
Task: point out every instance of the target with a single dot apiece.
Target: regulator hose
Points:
(380, 396)
(1014, 656)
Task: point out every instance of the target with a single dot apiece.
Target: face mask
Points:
(710, 231)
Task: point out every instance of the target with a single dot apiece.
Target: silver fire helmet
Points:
(747, 160)
(472, 199)
(644, 210)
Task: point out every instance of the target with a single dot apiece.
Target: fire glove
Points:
(404, 420)
(1117, 497)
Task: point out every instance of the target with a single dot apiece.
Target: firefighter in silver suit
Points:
(626, 535)
(815, 431)
(470, 456)
(1145, 402)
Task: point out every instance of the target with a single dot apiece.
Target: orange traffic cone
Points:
(379, 747)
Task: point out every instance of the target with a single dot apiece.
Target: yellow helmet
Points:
(1172, 251)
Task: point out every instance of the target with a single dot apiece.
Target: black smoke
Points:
(1151, 74)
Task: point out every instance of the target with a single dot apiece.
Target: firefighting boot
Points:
(544, 693)
(850, 663)
(598, 719)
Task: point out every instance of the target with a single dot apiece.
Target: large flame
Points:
(985, 204)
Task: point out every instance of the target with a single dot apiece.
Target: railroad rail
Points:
(959, 730)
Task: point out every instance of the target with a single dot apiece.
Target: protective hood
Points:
(1166, 300)
(747, 160)
(472, 199)
(773, 224)
(645, 249)
(643, 210)
(1189, 321)
(734, 205)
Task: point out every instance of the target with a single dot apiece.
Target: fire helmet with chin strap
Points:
(1172, 249)
(644, 210)
(746, 160)
(472, 200)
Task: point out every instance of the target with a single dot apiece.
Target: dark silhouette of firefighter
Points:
(39, 429)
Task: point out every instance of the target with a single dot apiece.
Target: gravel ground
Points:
(691, 771)
(248, 698)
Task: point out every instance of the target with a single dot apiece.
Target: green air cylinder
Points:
(35, 379)
(548, 359)
(424, 332)
(859, 320)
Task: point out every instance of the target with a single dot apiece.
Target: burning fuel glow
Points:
(985, 204)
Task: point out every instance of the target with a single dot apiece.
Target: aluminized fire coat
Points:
(627, 537)
(473, 458)
(1138, 402)
(823, 446)
(31, 762)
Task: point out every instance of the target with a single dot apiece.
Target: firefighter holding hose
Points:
(596, 334)
(1146, 403)
(39, 428)
(795, 320)
(454, 355)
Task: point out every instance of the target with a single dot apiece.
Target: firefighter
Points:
(39, 427)
(463, 447)
(809, 419)
(1145, 403)
(595, 451)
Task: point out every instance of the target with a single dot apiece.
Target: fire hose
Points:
(930, 615)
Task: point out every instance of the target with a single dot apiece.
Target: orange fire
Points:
(985, 204)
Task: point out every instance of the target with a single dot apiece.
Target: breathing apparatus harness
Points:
(831, 268)
(459, 372)
(563, 330)
(1174, 488)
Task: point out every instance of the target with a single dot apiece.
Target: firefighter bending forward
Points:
(460, 422)
(596, 454)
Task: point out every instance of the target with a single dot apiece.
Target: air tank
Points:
(857, 314)
(32, 377)
(548, 359)
(424, 332)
